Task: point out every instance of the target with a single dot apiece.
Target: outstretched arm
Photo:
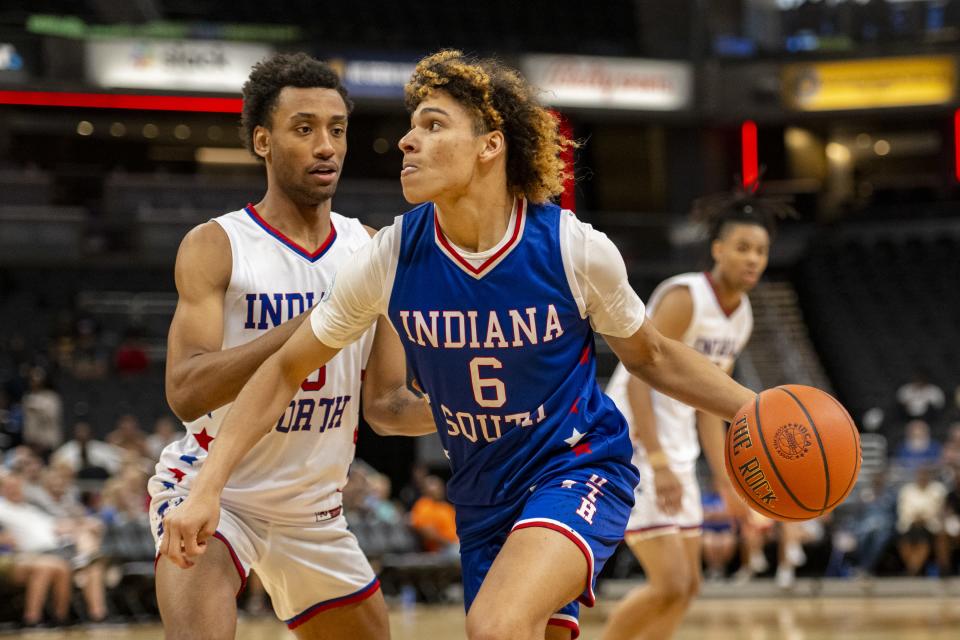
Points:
(675, 369)
(254, 413)
(200, 376)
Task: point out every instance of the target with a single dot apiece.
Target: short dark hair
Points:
(740, 206)
(269, 77)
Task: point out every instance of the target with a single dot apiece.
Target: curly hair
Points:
(501, 100)
(269, 77)
(740, 206)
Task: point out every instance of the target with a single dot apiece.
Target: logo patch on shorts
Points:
(792, 441)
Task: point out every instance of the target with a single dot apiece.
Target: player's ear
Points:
(261, 141)
(716, 249)
(494, 144)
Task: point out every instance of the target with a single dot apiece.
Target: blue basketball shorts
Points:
(586, 505)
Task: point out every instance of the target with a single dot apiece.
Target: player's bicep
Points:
(202, 273)
(611, 303)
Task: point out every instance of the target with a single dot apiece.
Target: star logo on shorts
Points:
(575, 438)
(568, 484)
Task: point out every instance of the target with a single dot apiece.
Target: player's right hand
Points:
(669, 490)
(187, 529)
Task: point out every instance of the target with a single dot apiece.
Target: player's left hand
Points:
(187, 528)
(669, 490)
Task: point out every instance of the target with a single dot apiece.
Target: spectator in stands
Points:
(88, 457)
(90, 358)
(951, 523)
(35, 531)
(719, 539)
(165, 431)
(920, 398)
(131, 356)
(39, 573)
(125, 497)
(919, 519)
(11, 422)
(42, 414)
(128, 435)
(876, 524)
(951, 448)
(433, 518)
(918, 448)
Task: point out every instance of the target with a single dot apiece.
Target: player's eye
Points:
(435, 125)
(339, 131)
(304, 129)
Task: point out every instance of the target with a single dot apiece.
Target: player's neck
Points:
(728, 296)
(308, 226)
(475, 221)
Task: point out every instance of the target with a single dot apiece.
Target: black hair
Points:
(740, 206)
(269, 77)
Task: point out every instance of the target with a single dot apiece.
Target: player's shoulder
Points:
(205, 237)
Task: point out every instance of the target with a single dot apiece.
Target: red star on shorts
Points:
(204, 439)
(177, 473)
(581, 449)
(573, 408)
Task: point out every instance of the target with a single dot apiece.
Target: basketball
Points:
(793, 453)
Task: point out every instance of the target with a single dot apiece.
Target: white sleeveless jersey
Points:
(295, 473)
(713, 333)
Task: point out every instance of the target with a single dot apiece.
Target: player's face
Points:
(306, 143)
(440, 151)
(741, 252)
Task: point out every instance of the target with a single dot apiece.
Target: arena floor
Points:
(805, 618)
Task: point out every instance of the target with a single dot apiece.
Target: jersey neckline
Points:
(494, 255)
(729, 313)
(311, 256)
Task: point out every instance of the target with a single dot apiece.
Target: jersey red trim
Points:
(442, 239)
(312, 256)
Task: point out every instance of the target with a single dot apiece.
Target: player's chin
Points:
(413, 193)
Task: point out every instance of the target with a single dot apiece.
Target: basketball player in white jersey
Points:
(710, 312)
(246, 281)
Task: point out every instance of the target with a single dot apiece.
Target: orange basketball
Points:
(793, 453)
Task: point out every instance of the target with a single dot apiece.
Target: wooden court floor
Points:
(930, 618)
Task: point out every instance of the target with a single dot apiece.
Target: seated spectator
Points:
(951, 448)
(920, 398)
(434, 519)
(165, 431)
(130, 356)
(42, 414)
(125, 497)
(876, 524)
(950, 538)
(719, 539)
(35, 531)
(128, 435)
(88, 457)
(918, 448)
(39, 574)
(919, 512)
(89, 359)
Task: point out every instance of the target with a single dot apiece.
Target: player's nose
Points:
(323, 148)
(407, 143)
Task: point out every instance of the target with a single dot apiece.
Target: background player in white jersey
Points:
(709, 311)
(482, 153)
(246, 280)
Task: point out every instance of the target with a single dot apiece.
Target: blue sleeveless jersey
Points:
(506, 359)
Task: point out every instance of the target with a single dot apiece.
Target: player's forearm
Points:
(644, 426)
(680, 372)
(253, 414)
(398, 413)
(207, 381)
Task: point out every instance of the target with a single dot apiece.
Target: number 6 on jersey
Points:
(499, 391)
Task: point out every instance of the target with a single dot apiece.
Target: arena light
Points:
(122, 101)
(748, 154)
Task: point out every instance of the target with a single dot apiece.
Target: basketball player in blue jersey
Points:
(245, 280)
(496, 295)
(710, 312)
